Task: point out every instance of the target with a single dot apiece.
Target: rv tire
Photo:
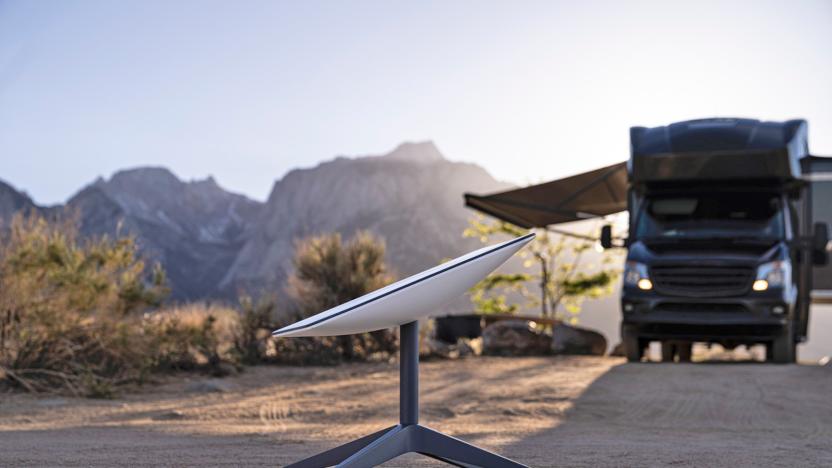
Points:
(783, 347)
(633, 346)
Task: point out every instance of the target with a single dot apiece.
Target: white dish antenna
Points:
(410, 299)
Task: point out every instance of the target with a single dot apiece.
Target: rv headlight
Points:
(635, 274)
(773, 274)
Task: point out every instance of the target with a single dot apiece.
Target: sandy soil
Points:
(540, 411)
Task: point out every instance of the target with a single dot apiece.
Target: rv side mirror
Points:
(820, 240)
(606, 236)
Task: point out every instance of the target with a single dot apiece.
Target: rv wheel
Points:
(685, 351)
(673, 351)
(668, 351)
(783, 347)
(633, 346)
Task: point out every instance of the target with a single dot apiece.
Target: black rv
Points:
(727, 234)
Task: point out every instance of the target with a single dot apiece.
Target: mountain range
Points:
(215, 244)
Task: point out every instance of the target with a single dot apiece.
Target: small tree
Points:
(329, 272)
(560, 278)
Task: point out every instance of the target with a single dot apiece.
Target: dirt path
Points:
(541, 411)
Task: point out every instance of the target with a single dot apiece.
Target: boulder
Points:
(469, 346)
(567, 339)
(433, 348)
(514, 338)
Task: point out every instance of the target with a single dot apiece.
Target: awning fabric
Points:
(595, 193)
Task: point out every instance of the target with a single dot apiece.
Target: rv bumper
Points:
(698, 320)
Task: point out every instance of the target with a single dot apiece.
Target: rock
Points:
(209, 386)
(514, 338)
(567, 339)
(433, 348)
(618, 350)
(469, 346)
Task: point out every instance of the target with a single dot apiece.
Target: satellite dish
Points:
(410, 299)
(402, 304)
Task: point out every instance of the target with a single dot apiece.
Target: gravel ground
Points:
(578, 411)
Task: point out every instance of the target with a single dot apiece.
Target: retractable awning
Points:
(595, 193)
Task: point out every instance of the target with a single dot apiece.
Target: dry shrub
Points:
(308, 351)
(78, 315)
(329, 272)
(254, 344)
(69, 309)
(82, 315)
(192, 337)
(252, 335)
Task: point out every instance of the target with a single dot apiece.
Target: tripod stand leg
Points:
(432, 443)
(338, 454)
(391, 445)
(446, 460)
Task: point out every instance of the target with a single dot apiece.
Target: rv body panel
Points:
(818, 174)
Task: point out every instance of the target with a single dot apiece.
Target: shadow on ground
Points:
(742, 414)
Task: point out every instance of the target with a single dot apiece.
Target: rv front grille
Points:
(701, 308)
(702, 281)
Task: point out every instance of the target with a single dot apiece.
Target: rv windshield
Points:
(715, 215)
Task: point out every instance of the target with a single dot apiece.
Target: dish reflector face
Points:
(410, 299)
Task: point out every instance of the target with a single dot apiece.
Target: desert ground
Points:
(545, 411)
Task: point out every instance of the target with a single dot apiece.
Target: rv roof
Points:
(721, 134)
(718, 149)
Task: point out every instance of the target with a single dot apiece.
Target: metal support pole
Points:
(409, 373)
(408, 436)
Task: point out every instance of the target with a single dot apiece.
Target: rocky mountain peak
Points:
(422, 151)
(143, 177)
(194, 228)
(12, 201)
(412, 197)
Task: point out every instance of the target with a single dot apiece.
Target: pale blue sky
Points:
(246, 91)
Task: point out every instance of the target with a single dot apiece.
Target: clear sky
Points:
(246, 91)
